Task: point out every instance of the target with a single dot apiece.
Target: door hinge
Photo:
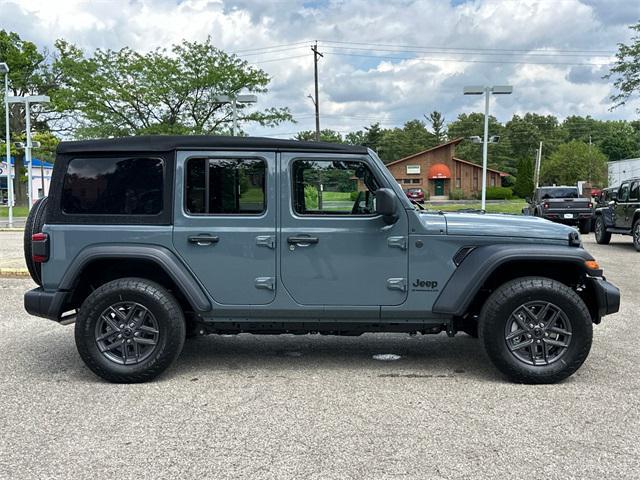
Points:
(265, 283)
(397, 242)
(397, 284)
(268, 241)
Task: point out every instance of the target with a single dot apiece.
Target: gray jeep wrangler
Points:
(146, 241)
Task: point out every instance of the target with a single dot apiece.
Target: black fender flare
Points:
(157, 254)
(458, 293)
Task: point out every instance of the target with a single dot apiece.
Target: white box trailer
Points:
(622, 170)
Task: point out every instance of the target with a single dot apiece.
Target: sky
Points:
(384, 61)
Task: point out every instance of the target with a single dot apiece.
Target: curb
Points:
(14, 272)
(11, 229)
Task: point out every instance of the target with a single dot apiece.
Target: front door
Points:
(621, 208)
(335, 251)
(439, 187)
(225, 223)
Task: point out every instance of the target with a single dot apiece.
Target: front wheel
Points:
(602, 236)
(585, 226)
(129, 330)
(536, 330)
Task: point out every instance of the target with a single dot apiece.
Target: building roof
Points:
(165, 143)
(502, 174)
(442, 145)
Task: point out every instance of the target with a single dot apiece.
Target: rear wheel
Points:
(129, 330)
(34, 224)
(636, 234)
(585, 226)
(536, 330)
(602, 236)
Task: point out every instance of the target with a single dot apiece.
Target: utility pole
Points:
(536, 174)
(316, 54)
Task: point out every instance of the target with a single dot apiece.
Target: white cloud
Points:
(363, 83)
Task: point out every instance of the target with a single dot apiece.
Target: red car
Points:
(415, 194)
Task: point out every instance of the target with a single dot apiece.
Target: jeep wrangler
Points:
(621, 214)
(145, 241)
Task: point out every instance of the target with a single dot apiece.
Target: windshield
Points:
(547, 193)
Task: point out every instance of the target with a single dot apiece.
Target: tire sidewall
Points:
(600, 230)
(493, 323)
(635, 234)
(170, 342)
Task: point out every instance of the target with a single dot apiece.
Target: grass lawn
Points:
(336, 196)
(253, 195)
(507, 206)
(17, 212)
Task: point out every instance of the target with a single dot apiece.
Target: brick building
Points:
(438, 171)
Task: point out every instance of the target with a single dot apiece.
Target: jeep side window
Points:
(113, 186)
(634, 193)
(623, 195)
(327, 187)
(217, 186)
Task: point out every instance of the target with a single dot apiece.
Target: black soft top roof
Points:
(165, 143)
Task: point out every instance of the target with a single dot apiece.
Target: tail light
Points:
(40, 247)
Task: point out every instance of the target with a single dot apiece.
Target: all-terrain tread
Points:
(169, 349)
(34, 224)
(489, 318)
(605, 238)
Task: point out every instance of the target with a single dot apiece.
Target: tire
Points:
(602, 236)
(635, 234)
(585, 226)
(551, 363)
(157, 310)
(34, 224)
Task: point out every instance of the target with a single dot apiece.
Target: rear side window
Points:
(217, 186)
(113, 186)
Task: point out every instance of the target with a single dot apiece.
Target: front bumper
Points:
(607, 296)
(49, 305)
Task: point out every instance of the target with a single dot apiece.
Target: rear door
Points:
(335, 251)
(225, 223)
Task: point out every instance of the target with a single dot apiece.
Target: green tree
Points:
(326, 135)
(438, 128)
(573, 162)
(120, 93)
(524, 181)
(28, 75)
(398, 143)
(626, 70)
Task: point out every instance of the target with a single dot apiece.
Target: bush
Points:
(499, 193)
(457, 194)
(310, 197)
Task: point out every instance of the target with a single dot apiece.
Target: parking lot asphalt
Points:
(311, 407)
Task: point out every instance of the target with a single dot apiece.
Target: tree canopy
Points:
(626, 70)
(175, 90)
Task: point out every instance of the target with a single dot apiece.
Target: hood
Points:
(498, 225)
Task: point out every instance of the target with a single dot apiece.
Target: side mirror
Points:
(386, 205)
(611, 203)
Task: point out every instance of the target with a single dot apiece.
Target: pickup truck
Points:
(146, 241)
(561, 205)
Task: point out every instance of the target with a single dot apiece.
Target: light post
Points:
(28, 100)
(234, 100)
(4, 68)
(480, 90)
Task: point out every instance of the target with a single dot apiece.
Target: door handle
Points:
(203, 240)
(302, 241)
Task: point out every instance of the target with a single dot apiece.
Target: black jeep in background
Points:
(562, 205)
(621, 214)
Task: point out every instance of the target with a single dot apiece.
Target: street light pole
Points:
(28, 100)
(486, 91)
(5, 68)
(485, 148)
(233, 101)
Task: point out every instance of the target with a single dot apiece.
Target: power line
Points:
(270, 47)
(460, 60)
(278, 59)
(327, 42)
